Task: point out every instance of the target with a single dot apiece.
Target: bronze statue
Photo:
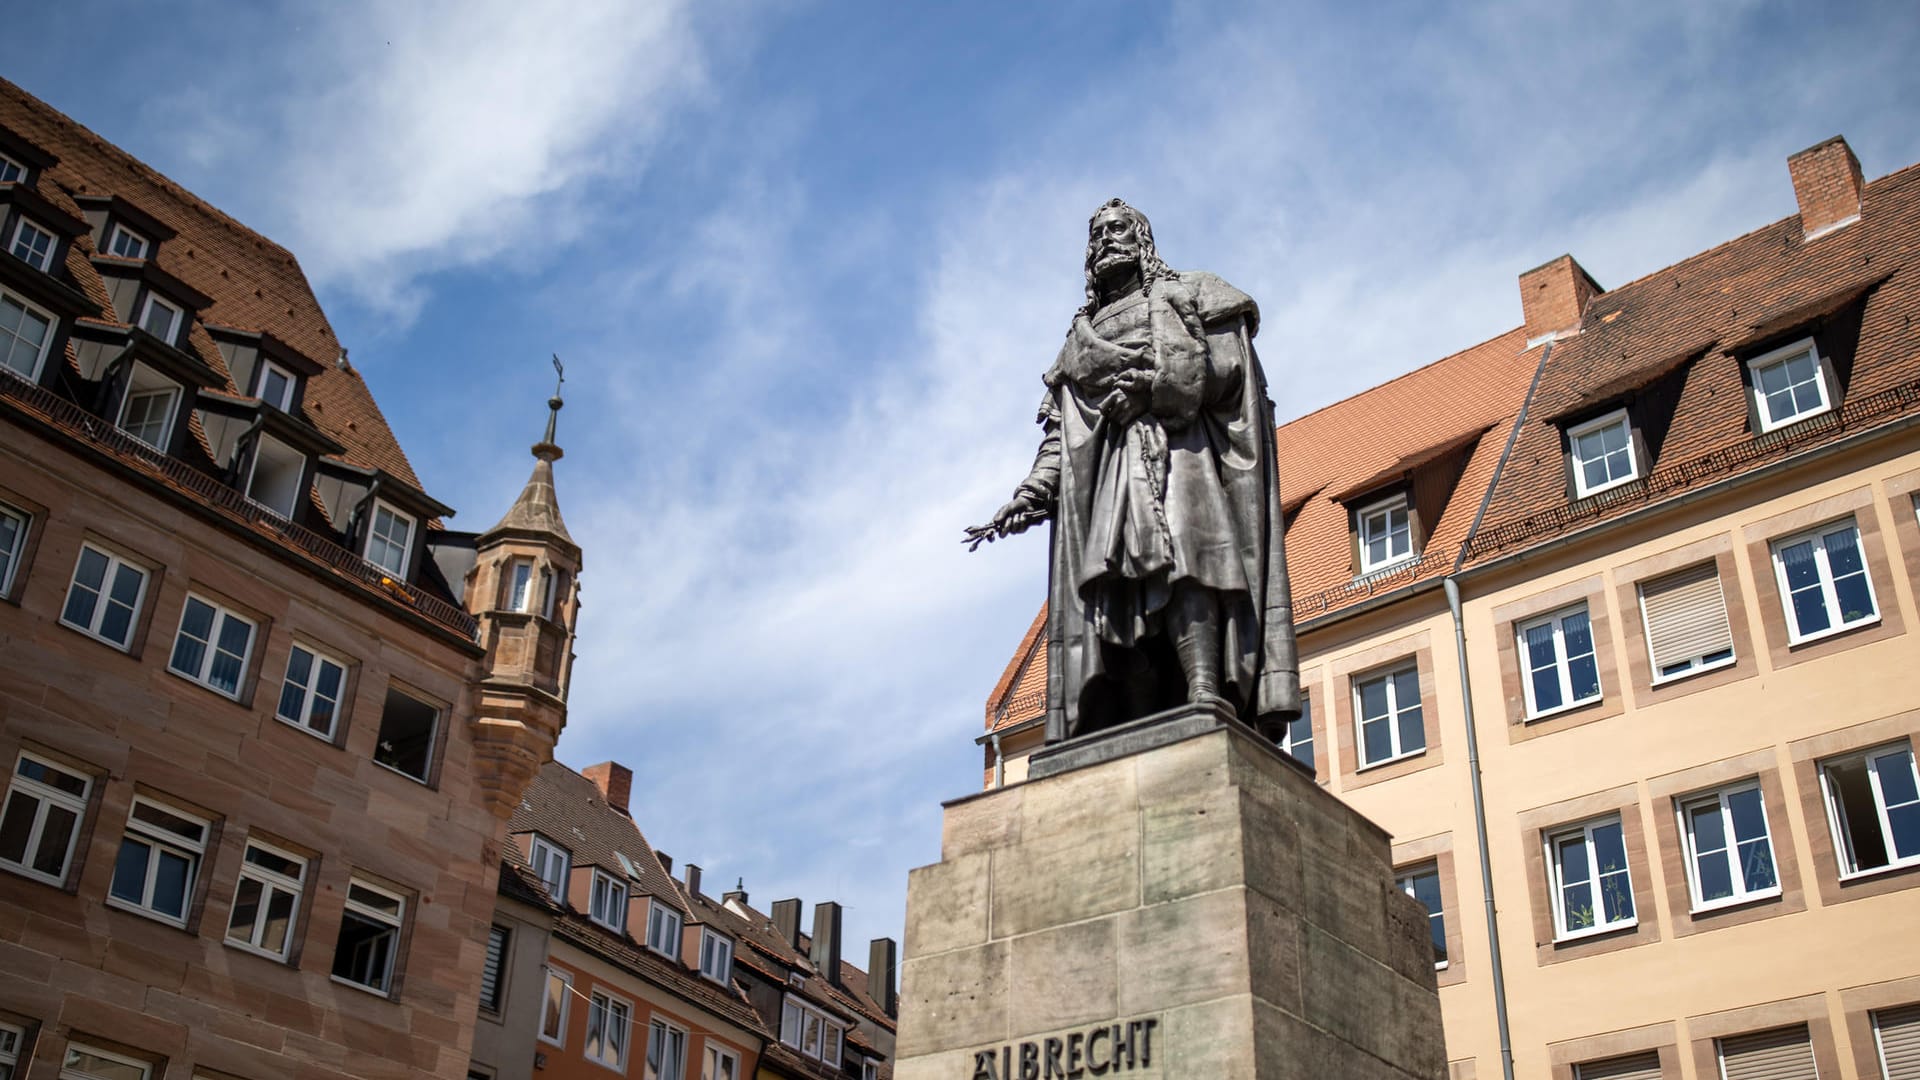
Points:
(1168, 580)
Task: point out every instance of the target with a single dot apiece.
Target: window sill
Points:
(34, 875)
(1384, 568)
(1390, 760)
(209, 687)
(1769, 427)
(1795, 641)
(107, 641)
(651, 947)
(146, 913)
(386, 995)
(1580, 493)
(607, 925)
(309, 732)
(1732, 903)
(401, 773)
(556, 1043)
(257, 951)
(1562, 710)
(1682, 676)
(1852, 876)
(614, 1066)
(1590, 933)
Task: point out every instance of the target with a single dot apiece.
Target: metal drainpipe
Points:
(1480, 831)
(999, 763)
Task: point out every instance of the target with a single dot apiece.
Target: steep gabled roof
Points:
(569, 810)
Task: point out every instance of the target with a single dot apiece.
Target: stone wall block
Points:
(981, 822)
(1289, 1048)
(1351, 992)
(1409, 939)
(953, 1000)
(1182, 771)
(1064, 976)
(1271, 856)
(1214, 1039)
(1273, 952)
(1080, 799)
(1191, 845)
(1186, 951)
(948, 909)
(1066, 875)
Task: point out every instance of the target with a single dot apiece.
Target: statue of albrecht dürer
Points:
(1168, 579)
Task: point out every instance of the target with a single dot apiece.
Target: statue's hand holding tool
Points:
(1021, 513)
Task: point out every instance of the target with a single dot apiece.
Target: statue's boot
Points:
(1196, 641)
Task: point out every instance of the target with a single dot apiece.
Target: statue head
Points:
(1119, 244)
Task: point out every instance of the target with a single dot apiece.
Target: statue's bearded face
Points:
(1113, 244)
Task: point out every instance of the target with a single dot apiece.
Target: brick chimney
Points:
(666, 862)
(881, 957)
(1553, 296)
(786, 919)
(614, 780)
(693, 879)
(736, 894)
(1826, 181)
(826, 940)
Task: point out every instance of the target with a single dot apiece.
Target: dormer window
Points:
(389, 539)
(160, 318)
(126, 243)
(609, 902)
(274, 481)
(276, 386)
(1385, 534)
(716, 956)
(1789, 384)
(1603, 454)
(32, 245)
(25, 332)
(663, 930)
(147, 411)
(11, 171)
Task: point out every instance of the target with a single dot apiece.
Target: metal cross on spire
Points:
(554, 403)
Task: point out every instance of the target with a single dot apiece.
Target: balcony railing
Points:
(83, 425)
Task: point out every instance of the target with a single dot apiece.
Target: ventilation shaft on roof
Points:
(826, 940)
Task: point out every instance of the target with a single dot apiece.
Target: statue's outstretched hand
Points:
(1022, 512)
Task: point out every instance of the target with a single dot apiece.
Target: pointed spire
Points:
(538, 507)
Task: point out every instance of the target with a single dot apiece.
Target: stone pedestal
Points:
(1173, 899)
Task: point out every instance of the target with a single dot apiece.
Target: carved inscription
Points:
(1097, 1051)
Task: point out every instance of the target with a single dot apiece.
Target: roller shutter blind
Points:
(490, 972)
(1686, 615)
(1898, 1031)
(1633, 1067)
(1781, 1054)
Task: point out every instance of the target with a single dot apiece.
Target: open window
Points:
(389, 539)
(274, 480)
(409, 728)
(148, 408)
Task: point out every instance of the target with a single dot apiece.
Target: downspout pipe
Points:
(999, 763)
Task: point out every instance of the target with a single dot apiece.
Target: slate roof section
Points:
(569, 810)
(255, 284)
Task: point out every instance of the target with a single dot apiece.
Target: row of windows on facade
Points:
(1788, 385)
(1824, 587)
(163, 850)
(1872, 799)
(214, 646)
(1785, 1053)
(607, 906)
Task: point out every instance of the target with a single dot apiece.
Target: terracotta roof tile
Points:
(568, 809)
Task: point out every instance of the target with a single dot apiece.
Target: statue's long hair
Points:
(1151, 268)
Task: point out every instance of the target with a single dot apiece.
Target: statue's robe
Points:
(1186, 491)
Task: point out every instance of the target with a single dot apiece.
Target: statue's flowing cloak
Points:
(1188, 491)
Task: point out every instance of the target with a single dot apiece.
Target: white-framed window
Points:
(159, 861)
(1729, 847)
(716, 955)
(1873, 808)
(409, 729)
(554, 1006)
(389, 539)
(1592, 888)
(869, 1070)
(1386, 709)
(26, 332)
(663, 929)
(609, 1022)
(10, 1039)
(32, 245)
(811, 1031)
(1603, 454)
(1781, 1054)
(1297, 739)
(13, 540)
(549, 591)
(45, 805)
(1823, 581)
(273, 479)
(212, 646)
(126, 243)
(369, 941)
(666, 1051)
(1423, 884)
(11, 171)
(1685, 618)
(161, 318)
(608, 903)
(266, 900)
(310, 694)
(493, 970)
(721, 1063)
(83, 1062)
(1789, 384)
(520, 585)
(104, 599)
(147, 411)
(551, 863)
(1557, 653)
(276, 385)
(1386, 534)
(833, 1040)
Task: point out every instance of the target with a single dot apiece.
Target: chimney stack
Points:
(1827, 183)
(737, 893)
(826, 940)
(881, 957)
(666, 862)
(786, 919)
(615, 782)
(1553, 297)
(693, 879)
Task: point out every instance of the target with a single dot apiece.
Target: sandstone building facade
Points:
(263, 717)
(1608, 620)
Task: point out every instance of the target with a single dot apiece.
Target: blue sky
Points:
(806, 263)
